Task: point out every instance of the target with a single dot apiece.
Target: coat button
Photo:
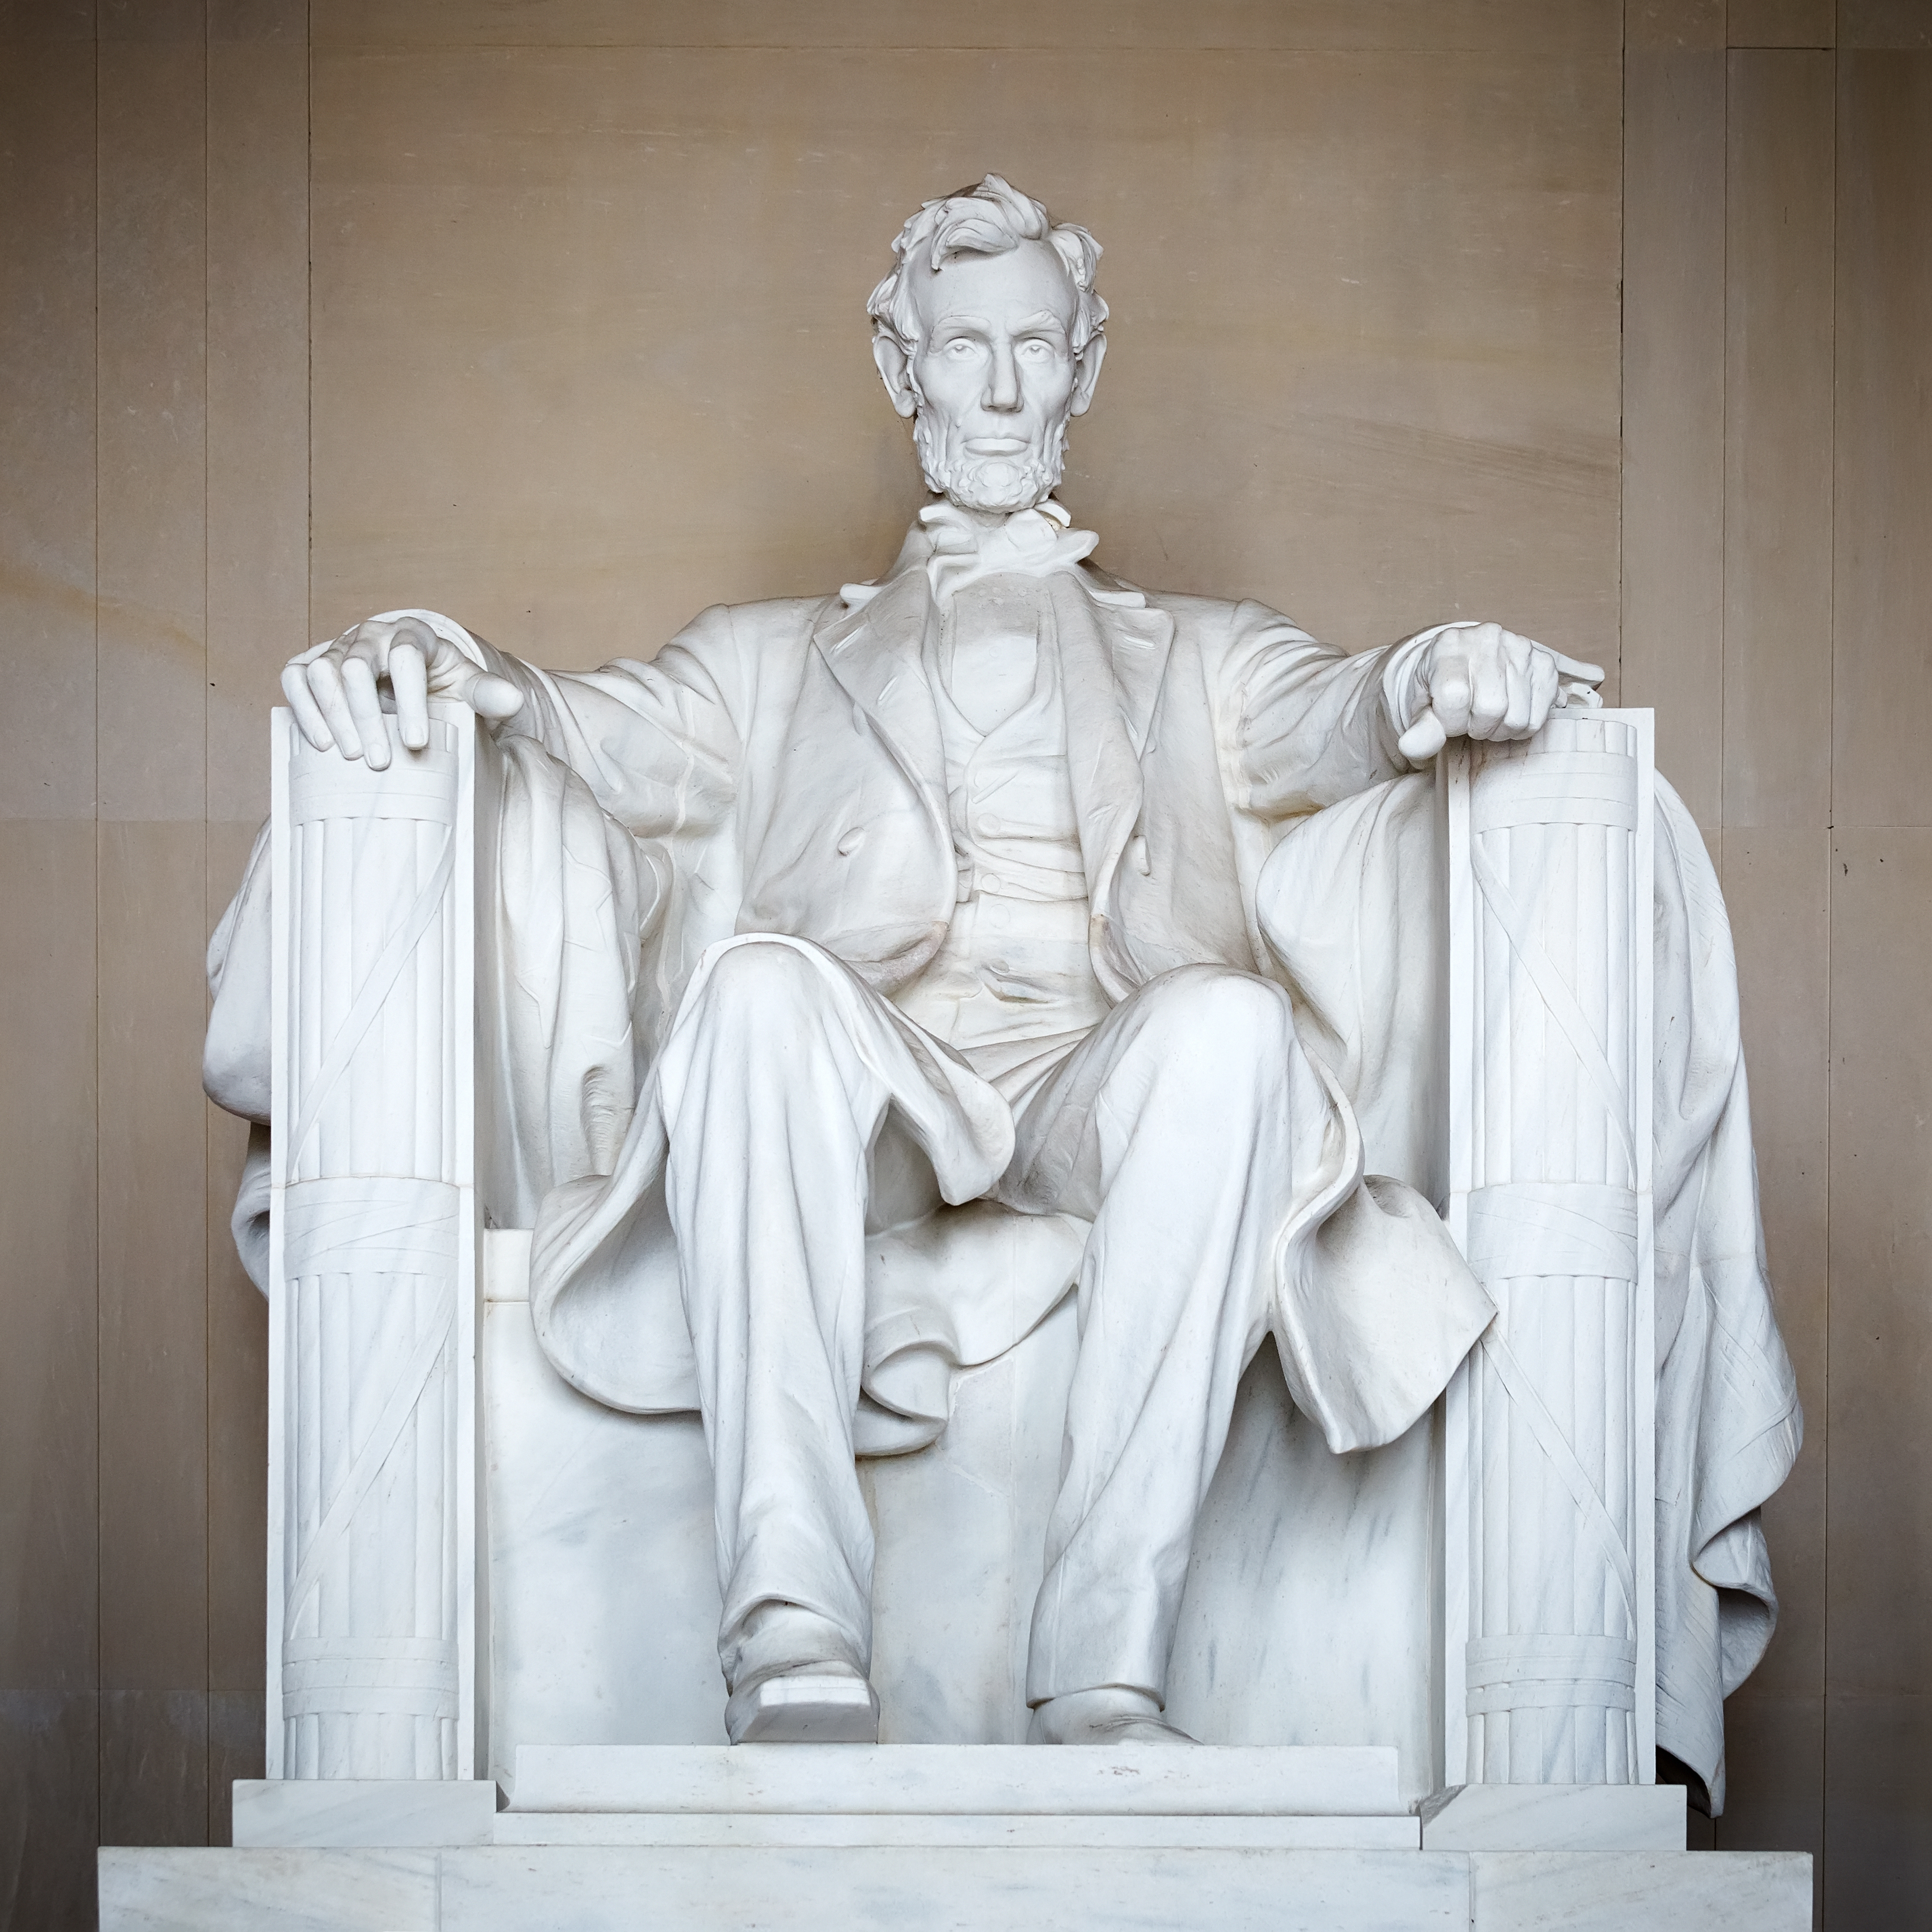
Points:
(852, 841)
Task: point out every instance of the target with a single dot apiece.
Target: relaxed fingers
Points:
(408, 679)
(309, 720)
(358, 686)
(409, 631)
(325, 681)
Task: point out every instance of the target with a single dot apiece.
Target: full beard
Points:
(988, 482)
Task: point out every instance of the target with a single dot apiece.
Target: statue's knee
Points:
(767, 1020)
(762, 980)
(1214, 1018)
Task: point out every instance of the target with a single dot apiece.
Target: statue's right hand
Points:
(337, 690)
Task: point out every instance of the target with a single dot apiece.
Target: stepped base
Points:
(858, 1838)
(1555, 1818)
(911, 1781)
(881, 1889)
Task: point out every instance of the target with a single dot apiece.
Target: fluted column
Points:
(1549, 1663)
(372, 1335)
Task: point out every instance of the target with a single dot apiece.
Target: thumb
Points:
(493, 697)
(1423, 739)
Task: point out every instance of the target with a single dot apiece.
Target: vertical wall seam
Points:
(1726, 55)
(1724, 401)
(308, 326)
(100, 1725)
(207, 1257)
(1831, 1023)
(1623, 333)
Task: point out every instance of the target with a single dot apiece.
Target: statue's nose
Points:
(1002, 391)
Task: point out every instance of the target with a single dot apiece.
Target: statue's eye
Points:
(962, 349)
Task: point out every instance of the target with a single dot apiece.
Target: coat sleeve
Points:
(658, 744)
(1309, 725)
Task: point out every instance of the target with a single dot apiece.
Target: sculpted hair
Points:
(987, 220)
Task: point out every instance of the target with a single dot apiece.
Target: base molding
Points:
(987, 1888)
(362, 1813)
(1555, 1818)
(976, 1838)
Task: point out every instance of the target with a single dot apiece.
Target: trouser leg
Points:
(766, 1183)
(1175, 1128)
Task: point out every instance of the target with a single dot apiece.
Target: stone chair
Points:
(467, 1556)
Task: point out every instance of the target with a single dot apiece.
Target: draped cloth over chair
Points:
(571, 911)
(1355, 907)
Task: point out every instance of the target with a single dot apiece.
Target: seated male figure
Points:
(956, 877)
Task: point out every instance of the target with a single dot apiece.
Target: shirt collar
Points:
(955, 548)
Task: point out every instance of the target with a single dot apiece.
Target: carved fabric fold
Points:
(1350, 907)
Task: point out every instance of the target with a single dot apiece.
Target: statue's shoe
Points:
(813, 1704)
(1107, 1716)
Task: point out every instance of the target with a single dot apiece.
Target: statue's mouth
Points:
(997, 445)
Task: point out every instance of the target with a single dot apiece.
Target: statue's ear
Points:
(1087, 373)
(896, 372)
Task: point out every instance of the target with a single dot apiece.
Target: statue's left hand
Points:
(1482, 681)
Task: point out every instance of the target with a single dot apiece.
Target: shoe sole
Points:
(803, 1708)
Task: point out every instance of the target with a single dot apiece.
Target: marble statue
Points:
(877, 967)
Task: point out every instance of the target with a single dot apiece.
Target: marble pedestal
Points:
(850, 1838)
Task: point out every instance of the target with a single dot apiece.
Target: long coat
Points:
(782, 764)
(780, 768)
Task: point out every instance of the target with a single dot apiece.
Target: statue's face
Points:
(995, 377)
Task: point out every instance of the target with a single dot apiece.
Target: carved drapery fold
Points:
(1549, 1596)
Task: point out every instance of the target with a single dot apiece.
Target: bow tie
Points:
(1029, 543)
(958, 550)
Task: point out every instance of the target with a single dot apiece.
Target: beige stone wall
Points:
(154, 300)
(590, 350)
(549, 315)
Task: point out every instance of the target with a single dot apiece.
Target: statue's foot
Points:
(1110, 1715)
(826, 1703)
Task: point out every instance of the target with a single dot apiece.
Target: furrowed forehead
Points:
(1014, 285)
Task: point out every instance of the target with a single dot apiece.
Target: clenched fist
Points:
(1481, 681)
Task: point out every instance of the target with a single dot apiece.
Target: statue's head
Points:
(989, 333)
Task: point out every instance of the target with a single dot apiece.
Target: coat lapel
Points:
(1139, 639)
(874, 653)
(1102, 762)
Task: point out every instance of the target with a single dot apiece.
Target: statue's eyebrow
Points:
(1044, 318)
